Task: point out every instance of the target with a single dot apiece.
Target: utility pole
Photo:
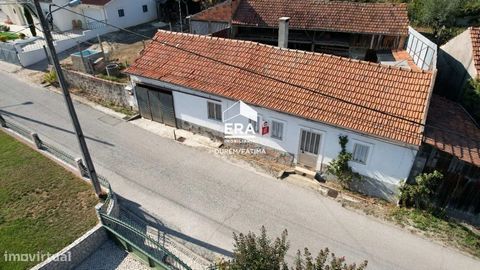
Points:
(180, 10)
(68, 100)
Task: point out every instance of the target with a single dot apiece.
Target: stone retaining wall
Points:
(101, 89)
(75, 253)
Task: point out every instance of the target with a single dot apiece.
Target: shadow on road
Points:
(133, 212)
(14, 115)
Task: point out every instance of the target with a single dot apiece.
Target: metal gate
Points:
(309, 148)
(156, 105)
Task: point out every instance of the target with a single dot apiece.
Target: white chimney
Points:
(283, 32)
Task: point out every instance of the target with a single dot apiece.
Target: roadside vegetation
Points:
(251, 251)
(471, 98)
(418, 213)
(43, 206)
(440, 20)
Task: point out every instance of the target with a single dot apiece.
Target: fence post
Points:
(36, 140)
(80, 166)
(98, 208)
(3, 123)
(47, 55)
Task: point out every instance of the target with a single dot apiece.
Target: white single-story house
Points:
(121, 13)
(305, 100)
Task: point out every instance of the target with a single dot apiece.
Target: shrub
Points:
(471, 98)
(3, 38)
(21, 36)
(51, 77)
(421, 193)
(4, 28)
(339, 167)
(260, 252)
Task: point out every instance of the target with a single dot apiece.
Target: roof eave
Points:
(388, 140)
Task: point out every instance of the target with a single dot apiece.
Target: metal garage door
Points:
(143, 102)
(156, 104)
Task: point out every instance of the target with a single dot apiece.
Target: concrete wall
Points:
(455, 65)
(134, 14)
(31, 57)
(101, 89)
(77, 251)
(387, 162)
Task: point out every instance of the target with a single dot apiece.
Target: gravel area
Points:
(108, 257)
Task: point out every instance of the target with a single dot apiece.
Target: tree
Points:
(437, 14)
(261, 253)
(31, 25)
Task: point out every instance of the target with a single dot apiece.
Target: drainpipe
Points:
(283, 23)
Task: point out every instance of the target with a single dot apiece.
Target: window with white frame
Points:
(214, 111)
(277, 130)
(360, 153)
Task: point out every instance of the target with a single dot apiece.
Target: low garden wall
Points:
(101, 89)
(75, 253)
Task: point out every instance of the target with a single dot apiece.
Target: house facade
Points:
(121, 13)
(348, 29)
(304, 101)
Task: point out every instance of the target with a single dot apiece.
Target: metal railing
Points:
(126, 230)
(136, 238)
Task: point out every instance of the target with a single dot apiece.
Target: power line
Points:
(268, 77)
(247, 70)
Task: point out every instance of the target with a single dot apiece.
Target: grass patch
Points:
(117, 108)
(438, 228)
(43, 206)
(8, 36)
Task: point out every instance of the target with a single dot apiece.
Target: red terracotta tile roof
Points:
(463, 137)
(218, 13)
(475, 34)
(390, 90)
(339, 16)
(402, 55)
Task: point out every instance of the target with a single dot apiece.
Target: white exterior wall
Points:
(460, 48)
(134, 14)
(387, 162)
(15, 13)
(96, 13)
(63, 18)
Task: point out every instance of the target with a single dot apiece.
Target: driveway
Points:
(204, 199)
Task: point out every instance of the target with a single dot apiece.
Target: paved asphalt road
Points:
(207, 198)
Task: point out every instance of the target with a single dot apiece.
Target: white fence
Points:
(422, 50)
(35, 52)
